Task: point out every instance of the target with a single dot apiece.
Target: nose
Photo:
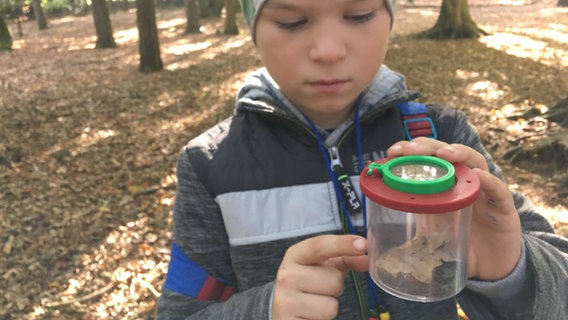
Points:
(327, 46)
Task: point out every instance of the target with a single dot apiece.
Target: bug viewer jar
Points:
(419, 211)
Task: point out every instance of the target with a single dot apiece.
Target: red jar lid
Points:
(464, 192)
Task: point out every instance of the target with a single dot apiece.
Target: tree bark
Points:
(149, 45)
(103, 25)
(192, 16)
(5, 36)
(231, 17)
(210, 8)
(39, 14)
(453, 22)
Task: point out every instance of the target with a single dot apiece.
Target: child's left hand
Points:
(495, 243)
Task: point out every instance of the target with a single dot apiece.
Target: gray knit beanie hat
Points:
(252, 7)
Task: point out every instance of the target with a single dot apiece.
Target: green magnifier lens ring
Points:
(419, 174)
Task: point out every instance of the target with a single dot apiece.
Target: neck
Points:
(330, 121)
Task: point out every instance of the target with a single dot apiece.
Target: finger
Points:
(418, 146)
(316, 279)
(358, 263)
(495, 230)
(320, 249)
(495, 189)
(457, 153)
(304, 306)
(316, 307)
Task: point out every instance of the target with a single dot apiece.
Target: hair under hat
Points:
(252, 7)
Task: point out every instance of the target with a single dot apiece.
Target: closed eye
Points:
(293, 25)
(361, 18)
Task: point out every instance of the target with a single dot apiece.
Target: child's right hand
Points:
(312, 276)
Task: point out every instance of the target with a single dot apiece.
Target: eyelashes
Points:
(353, 18)
(361, 18)
(294, 25)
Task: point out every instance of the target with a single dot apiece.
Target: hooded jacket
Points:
(257, 183)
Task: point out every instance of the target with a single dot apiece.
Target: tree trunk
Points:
(5, 36)
(149, 45)
(103, 25)
(192, 16)
(231, 17)
(453, 22)
(39, 14)
(562, 3)
(210, 8)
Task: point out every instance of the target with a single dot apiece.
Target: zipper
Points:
(346, 188)
(353, 205)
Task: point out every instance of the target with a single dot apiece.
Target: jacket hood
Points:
(261, 93)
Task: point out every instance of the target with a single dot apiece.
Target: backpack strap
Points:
(416, 121)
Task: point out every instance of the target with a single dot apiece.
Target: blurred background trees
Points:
(103, 24)
(5, 36)
(14, 11)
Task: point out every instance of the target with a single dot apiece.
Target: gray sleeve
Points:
(544, 286)
(246, 305)
(200, 233)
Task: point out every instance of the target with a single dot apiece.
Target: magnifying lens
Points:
(416, 174)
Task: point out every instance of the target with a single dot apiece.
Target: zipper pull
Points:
(334, 158)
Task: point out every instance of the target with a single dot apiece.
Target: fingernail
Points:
(450, 149)
(395, 148)
(359, 244)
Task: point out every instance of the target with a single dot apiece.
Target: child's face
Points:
(323, 53)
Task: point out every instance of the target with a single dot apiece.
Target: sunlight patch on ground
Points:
(235, 42)
(187, 47)
(126, 36)
(68, 44)
(73, 44)
(525, 47)
(82, 143)
(90, 137)
(488, 91)
(62, 20)
(558, 35)
(171, 23)
(423, 12)
(213, 50)
(465, 74)
(512, 3)
(170, 28)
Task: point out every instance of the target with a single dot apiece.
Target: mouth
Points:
(328, 86)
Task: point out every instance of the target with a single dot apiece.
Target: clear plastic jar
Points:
(419, 211)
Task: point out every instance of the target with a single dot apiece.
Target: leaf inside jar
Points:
(417, 258)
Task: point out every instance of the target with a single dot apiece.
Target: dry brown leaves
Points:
(88, 145)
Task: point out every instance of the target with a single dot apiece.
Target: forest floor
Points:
(88, 145)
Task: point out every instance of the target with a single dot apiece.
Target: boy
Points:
(257, 221)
